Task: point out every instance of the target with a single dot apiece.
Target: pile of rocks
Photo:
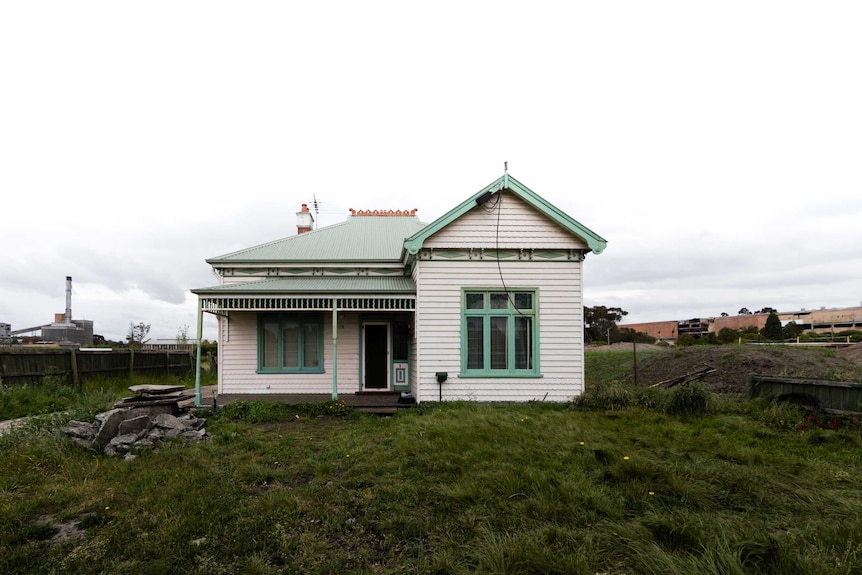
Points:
(155, 399)
(124, 430)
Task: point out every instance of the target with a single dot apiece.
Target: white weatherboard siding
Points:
(238, 360)
(438, 325)
(521, 226)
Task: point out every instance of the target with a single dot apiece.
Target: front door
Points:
(375, 361)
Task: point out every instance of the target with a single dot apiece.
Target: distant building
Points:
(78, 331)
(823, 320)
(64, 330)
(170, 344)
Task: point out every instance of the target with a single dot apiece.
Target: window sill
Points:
(493, 375)
(289, 372)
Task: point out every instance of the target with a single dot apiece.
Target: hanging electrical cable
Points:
(498, 205)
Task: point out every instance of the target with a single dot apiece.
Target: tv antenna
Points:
(316, 208)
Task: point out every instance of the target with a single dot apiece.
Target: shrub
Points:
(691, 399)
(728, 335)
(606, 396)
(685, 340)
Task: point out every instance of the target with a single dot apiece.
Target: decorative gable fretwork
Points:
(502, 254)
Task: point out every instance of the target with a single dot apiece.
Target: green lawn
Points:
(457, 488)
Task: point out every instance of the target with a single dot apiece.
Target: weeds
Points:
(607, 397)
(53, 395)
(691, 399)
(271, 412)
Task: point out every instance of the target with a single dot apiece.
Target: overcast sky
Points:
(716, 146)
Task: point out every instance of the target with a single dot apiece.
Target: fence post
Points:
(74, 358)
(131, 361)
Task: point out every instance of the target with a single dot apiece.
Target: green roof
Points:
(315, 284)
(506, 182)
(359, 239)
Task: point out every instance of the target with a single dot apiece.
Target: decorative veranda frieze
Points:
(220, 305)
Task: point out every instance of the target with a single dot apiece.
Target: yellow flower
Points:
(582, 443)
(626, 458)
(652, 492)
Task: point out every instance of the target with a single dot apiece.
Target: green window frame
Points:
(499, 333)
(290, 343)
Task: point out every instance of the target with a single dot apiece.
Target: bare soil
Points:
(732, 364)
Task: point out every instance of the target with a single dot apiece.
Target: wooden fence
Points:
(29, 366)
(834, 396)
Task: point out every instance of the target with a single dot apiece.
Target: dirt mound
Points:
(732, 364)
(854, 352)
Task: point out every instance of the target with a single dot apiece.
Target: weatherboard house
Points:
(485, 303)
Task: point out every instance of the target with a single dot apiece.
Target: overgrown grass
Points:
(269, 412)
(633, 487)
(54, 395)
(610, 366)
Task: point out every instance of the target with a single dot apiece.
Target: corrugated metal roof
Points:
(359, 239)
(316, 285)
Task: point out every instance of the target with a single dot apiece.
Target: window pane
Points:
(524, 301)
(400, 341)
(290, 333)
(310, 347)
(475, 343)
(499, 300)
(499, 345)
(523, 343)
(270, 344)
(475, 301)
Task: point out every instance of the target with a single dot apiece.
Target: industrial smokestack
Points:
(68, 318)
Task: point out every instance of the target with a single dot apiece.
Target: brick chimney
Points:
(304, 220)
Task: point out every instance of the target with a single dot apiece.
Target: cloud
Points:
(715, 148)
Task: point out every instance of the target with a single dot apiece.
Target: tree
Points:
(772, 330)
(137, 334)
(728, 335)
(600, 323)
(629, 335)
(685, 340)
(183, 335)
(743, 311)
(792, 330)
(767, 310)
